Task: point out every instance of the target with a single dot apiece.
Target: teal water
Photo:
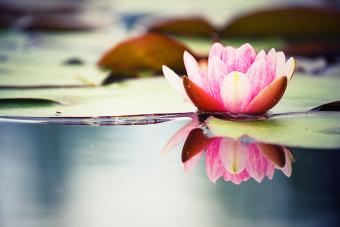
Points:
(55, 175)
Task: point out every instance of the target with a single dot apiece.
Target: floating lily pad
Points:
(147, 52)
(49, 75)
(288, 22)
(8, 103)
(155, 95)
(28, 67)
(194, 26)
(30, 60)
(308, 130)
(332, 106)
(306, 92)
(133, 97)
(291, 22)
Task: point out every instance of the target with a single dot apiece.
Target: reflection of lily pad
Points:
(310, 130)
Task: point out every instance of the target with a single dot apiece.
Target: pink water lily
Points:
(229, 159)
(238, 162)
(234, 80)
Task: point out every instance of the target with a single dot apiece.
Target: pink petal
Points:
(271, 68)
(280, 62)
(245, 56)
(289, 68)
(257, 164)
(229, 57)
(234, 155)
(257, 73)
(235, 92)
(216, 51)
(214, 166)
(181, 134)
(203, 64)
(175, 81)
(193, 70)
(236, 178)
(217, 70)
(190, 164)
(261, 55)
(287, 169)
(270, 170)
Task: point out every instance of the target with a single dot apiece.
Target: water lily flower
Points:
(237, 162)
(227, 158)
(238, 81)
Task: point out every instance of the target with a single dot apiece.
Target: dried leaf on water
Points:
(147, 52)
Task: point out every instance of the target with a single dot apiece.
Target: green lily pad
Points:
(155, 95)
(133, 97)
(44, 66)
(306, 92)
(194, 26)
(39, 59)
(308, 130)
(288, 22)
(30, 75)
(8, 103)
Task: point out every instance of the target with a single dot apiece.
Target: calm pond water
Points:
(55, 175)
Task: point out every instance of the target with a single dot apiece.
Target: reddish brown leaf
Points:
(313, 49)
(146, 52)
(292, 22)
(194, 26)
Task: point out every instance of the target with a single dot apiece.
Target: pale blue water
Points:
(54, 175)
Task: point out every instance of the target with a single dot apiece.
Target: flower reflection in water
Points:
(227, 158)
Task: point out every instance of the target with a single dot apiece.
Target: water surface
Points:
(57, 175)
